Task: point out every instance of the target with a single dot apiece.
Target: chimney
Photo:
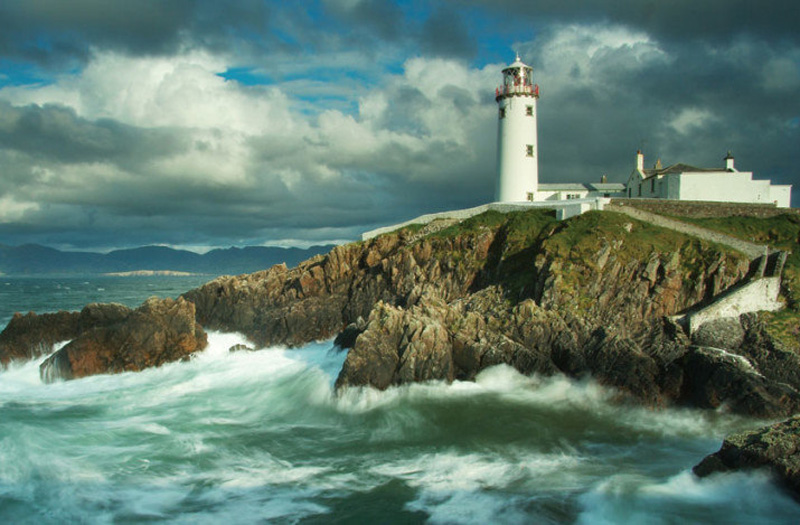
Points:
(729, 162)
(639, 160)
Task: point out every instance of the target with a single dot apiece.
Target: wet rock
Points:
(31, 336)
(720, 333)
(240, 348)
(158, 332)
(347, 337)
(713, 378)
(775, 447)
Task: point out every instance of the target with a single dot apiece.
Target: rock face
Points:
(563, 267)
(589, 296)
(158, 332)
(31, 336)
(776, 447)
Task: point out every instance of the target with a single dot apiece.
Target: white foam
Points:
(742, 497)
(455, 487)
(213, 439)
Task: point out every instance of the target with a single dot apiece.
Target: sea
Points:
(262, 437)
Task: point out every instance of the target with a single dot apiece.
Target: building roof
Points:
(679, 168)
(583, 186)
(517, 63)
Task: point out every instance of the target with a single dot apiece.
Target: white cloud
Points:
(232, 146)
(183, 91)
(573, 56)
(689, 120)
(12, 210)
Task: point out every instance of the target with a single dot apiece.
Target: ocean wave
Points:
(248, 436)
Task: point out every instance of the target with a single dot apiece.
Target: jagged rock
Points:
(720, 333)
(347, 337)
(775, 447)
(158, 332)
(619, 362)
(399, 346)
(767, 354)
(374, 358)
(31, 336)
(713, 377)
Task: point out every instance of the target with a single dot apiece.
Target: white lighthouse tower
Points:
(517, 152)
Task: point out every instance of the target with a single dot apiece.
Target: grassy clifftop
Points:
(584, 252)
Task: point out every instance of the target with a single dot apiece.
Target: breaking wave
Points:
(246, 436)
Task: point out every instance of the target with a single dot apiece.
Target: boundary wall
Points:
(564, 210)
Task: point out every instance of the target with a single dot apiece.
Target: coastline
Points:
(151, 273)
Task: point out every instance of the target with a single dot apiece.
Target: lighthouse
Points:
(517, 152)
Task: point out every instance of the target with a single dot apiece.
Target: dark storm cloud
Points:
(51, 32)
(444, 33)
(193, 159)
(56, 133)
(669, 21)
(381, 18)
(62, 35)
(691, 104)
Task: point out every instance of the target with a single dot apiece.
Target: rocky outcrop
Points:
(158, 332)
(659, 366)
(320, 297)
(563, 267)
(585, 297)
(591, 296)
(31, 336)
(775, 447)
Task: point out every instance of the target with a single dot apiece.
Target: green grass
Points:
(522, 238)
(487, 220)
(781, 230)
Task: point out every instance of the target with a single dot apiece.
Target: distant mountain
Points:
(33, 259)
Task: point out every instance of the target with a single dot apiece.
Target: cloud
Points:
(353, 114)
(675, 21)
(445, 34)
(608, 90)
(150, 144)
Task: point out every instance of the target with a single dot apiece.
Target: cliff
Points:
(591, 296)
(588, 296)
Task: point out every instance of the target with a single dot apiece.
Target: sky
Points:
(200, 124)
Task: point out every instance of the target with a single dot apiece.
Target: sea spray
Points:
(261, 436)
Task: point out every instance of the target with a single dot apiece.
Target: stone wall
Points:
(564, 210)
(703, 209)
(755, 296)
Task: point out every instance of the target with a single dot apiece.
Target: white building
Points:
(517, 152)
(578, 190)
(684, 182)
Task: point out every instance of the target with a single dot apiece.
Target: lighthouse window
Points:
(529, 111)
(502, 112)
(529, 150)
